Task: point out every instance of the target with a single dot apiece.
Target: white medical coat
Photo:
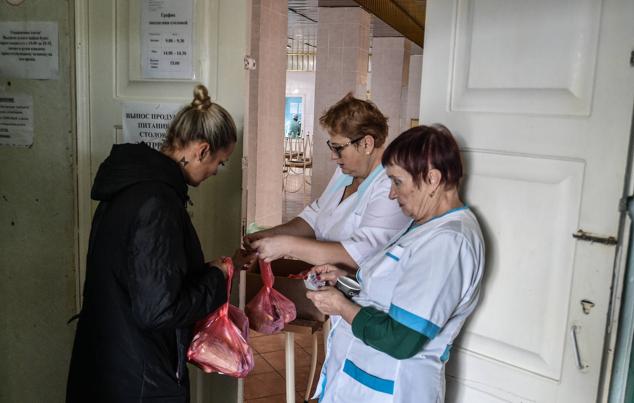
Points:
(428, 279)
(364, 222)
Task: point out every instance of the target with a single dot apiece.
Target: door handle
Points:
(589, 237)
(575, 348)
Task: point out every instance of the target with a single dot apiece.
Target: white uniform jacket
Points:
(426, 278)
(364, 222)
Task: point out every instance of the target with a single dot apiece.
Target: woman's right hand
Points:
(243, 259)
(328, 273)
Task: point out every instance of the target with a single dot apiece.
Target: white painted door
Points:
(109, 74)
(540, 96)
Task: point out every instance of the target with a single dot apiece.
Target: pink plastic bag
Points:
(269, 310)
(220, 340)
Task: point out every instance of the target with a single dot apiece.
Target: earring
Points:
(432, 193)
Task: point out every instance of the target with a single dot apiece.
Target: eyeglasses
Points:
(338, 148)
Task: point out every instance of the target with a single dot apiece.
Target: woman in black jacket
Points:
(146, 279)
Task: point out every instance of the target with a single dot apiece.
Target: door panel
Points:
(115, 67)
(540, 96)
(544, 62)
(539, 195)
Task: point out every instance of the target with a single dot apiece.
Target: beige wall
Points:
(37, 215)
(265, 127)
(390, 75)
(341, 67)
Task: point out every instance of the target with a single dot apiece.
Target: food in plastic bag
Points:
(269, 310)
(220, 340)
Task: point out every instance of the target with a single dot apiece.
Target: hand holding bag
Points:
(220, 340)
(269, 310)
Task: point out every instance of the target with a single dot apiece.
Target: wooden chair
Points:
(297, 162)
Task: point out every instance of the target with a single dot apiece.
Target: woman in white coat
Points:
(391, 342)
(353, 217)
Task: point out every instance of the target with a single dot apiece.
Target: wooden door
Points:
(109, 75)
(540, 95)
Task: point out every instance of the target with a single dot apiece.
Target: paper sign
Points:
(166, 39)
(29, 50)
(148, 123)
(16, 119)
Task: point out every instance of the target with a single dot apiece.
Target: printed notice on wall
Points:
(16, 119)
(146, 122)
(166, 39)
(29, 49)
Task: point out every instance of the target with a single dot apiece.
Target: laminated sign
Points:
(16, 119)
(147, 123)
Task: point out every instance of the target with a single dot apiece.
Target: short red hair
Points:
(354, 118)
(422, 148)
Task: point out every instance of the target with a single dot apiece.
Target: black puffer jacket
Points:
(146, 284)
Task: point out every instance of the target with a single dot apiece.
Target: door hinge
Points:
(632, 58)
(588, 237)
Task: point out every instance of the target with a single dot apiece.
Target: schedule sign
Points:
(166, 39)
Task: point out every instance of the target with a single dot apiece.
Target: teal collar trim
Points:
(345, 180)
(413, 225)
(368, 181)
(453, 210)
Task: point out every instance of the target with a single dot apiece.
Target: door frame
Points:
(612, 355)
(83, 146)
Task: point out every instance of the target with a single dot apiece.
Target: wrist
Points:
(349, 310)
(287, 244)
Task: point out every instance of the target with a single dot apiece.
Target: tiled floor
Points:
(266, 383)
(293, 202)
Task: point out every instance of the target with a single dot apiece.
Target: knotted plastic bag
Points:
(220, 340)
(269, 310)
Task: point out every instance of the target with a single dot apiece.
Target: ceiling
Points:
(303, 17)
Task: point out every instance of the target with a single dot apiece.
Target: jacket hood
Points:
(129, 164)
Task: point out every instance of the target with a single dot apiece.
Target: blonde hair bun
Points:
(201, 98)
(201, 120)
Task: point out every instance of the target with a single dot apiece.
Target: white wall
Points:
(302, 83)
